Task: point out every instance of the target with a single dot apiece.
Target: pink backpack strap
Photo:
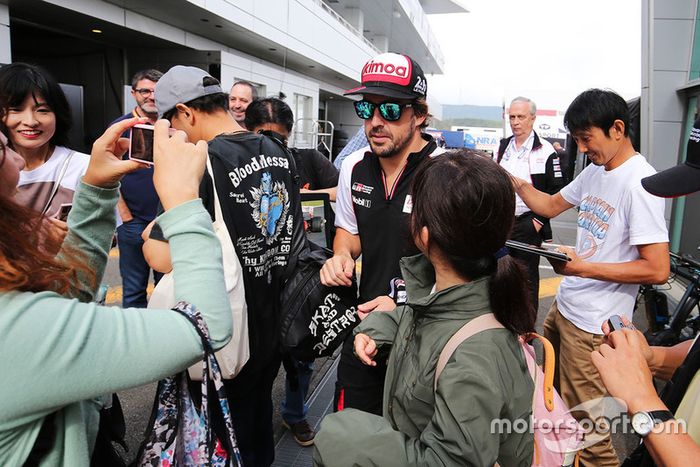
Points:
(475, 326)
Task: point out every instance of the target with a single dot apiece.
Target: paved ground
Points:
(137, 402)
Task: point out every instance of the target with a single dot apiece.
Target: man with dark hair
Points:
(626, 362)
(373, 206)
(138, 201)
(621, 242)
(316, 175)
(241, 95)
(260, 202)
(526, 155)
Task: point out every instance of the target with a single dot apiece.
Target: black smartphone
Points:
(542, 251)
(141, 144)
(63, 211)
(615, 323)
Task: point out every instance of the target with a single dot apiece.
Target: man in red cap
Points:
(626, 363)
(373, 206)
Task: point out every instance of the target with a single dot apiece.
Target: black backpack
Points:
(315, 319)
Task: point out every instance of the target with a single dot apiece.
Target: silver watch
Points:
(644, 422)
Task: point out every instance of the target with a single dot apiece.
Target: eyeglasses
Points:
(390, 111)
(145, 92)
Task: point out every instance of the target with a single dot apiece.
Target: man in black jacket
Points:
(260, 203)
(374, 204)
(526, 155)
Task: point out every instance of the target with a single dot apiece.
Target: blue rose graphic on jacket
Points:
(270, 204)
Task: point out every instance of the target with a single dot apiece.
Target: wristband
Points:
(397, 290)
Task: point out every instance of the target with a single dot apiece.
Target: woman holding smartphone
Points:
(36, 119)
(59, 353)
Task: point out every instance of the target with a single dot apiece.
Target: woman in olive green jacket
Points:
(462, 216)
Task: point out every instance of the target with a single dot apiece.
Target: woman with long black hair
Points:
(462, 215)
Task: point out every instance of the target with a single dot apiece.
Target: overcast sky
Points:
(549, 50)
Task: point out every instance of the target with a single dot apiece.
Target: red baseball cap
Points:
(392, 75)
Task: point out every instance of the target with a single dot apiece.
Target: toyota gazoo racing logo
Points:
(389, 68)
(362, 188)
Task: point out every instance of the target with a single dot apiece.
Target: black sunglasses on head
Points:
(390, 111)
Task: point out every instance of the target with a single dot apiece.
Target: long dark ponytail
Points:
(467, 203)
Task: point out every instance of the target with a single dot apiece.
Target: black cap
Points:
(682, 179)
(392, 75)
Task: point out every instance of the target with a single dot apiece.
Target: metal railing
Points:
(345, 23)
(417, 15)
(312, 133)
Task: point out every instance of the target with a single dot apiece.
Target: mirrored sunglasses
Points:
(389, 111)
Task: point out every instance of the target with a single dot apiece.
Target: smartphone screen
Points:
(615, 323)
(141, 144)
(63, 211)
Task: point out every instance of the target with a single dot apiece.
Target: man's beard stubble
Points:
(152, 111)
(395, 146)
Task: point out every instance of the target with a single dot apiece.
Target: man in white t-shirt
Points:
(621, 242)
(668, 423)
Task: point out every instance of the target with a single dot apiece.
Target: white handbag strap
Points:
(475, 326)
(218, 216)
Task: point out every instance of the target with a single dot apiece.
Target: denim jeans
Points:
(298, 375)
(132, 265)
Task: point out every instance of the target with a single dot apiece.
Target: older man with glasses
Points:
(528, 156)
(373, 206)
(138, 201)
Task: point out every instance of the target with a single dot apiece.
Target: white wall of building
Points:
(302, 26)
(5, 49)
(236, 66)
(417, 15)
(667, 33)
(307, 30)
(343, 117)
(301, 92)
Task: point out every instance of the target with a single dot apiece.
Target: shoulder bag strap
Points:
(475, 326)
(209, 360)
(218, 216)
(57, 185)
(225, 233)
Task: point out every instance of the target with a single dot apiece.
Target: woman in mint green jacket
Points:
(462, 215)
(59, 353)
